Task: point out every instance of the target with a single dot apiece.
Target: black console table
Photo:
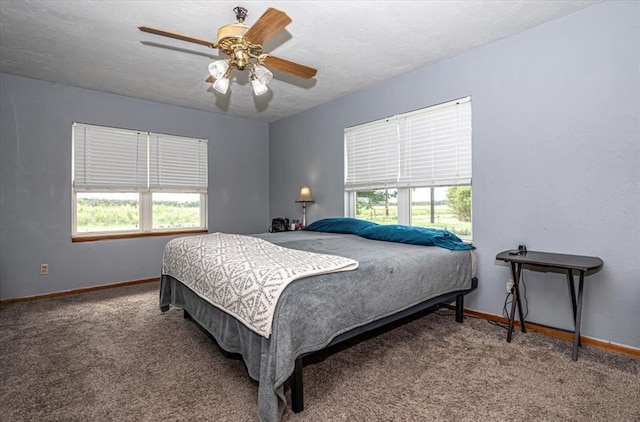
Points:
(553, 261)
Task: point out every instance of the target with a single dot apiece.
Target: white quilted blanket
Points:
(243, 275)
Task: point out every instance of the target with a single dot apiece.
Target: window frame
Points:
(144, 193)
(404, 185)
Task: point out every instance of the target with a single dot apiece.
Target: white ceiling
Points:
(353, 44)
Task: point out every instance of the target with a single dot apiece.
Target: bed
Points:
(392, 280)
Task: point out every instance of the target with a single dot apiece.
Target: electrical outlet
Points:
(509, 285)
(44, 269)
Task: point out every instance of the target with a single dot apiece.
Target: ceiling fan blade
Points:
(271, 22)
(155, 31)
(303, 71)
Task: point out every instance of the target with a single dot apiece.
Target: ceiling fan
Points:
(243, 46)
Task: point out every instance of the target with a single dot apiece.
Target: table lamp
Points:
(304, 197)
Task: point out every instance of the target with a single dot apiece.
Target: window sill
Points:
(94, 237)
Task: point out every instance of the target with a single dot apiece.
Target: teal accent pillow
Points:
(425, 236)
(344, 225)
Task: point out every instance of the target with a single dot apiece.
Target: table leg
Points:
(576, 337)
(516, 269)
(516, 285)
(512, 314)
(572, 292)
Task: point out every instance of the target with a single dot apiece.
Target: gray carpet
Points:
(112, 355)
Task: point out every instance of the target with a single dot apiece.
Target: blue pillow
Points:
(424, 236)
(340, 225)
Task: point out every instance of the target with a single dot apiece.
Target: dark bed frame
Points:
(359, 333)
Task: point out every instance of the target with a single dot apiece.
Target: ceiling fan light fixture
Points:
(218, 68)
(221, 85)
(242, 45)
(263, 74)
(241, 58)
(259, 88)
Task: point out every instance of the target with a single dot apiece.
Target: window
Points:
(126, 181)
(379, 205)
(413, 168)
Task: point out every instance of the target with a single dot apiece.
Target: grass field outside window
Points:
(451, 208)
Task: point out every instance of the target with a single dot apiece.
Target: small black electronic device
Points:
(279, 225)
(522, 249)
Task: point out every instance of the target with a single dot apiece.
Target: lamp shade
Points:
(305, 195)
(218, 68)
(258, 87)
(221, 85)
(263, 74)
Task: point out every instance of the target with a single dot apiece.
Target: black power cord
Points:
(508, 299)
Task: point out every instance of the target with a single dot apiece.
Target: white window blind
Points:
(432, 148)
(437, 146)
(122, 160)
(371, 153)
(109, 159)
(177, 164)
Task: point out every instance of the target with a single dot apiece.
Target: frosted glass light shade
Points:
(221, 85)
(258, 87)
(263, 74)
(218, 68)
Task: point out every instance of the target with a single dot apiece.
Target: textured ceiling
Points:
(353, 44)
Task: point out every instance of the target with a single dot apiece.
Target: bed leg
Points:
(186, 314)
(459, 308)
(297, 401)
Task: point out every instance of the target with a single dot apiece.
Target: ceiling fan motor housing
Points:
(232, 43)
(234, 30)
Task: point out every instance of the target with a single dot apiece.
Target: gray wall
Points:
(35, 183)
(556, 158)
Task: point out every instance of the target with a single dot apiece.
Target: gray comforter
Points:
(312, 311)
